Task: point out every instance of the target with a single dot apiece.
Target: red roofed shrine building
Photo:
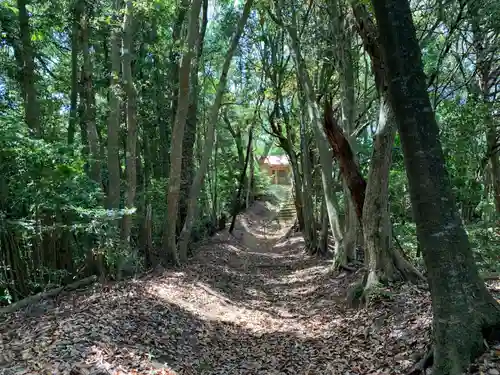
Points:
(278, 168)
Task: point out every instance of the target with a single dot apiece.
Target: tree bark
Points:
(187, 173)
(462, 307)
(340, 258)
(113, 146)
(177, 45)
(89, 109)
(131, 112)
(237, 200)
(342, 51)
(384, 261)
(27, 74)
(173, 195)
(307, 187)
(209, 141)
(484, 56)
(76, 13)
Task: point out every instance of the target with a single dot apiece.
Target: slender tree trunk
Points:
(131, 112)
(484, 53)
(177, 43)
(113, 146)
(89, 114)
(187, 173)
(27, 74)
(174, 183)
(249, 197)
(237, 200)
(322, 142)
(323, 237)
(76, 13)
(463, 309)
(209, 141)
(342, 45)
(307, 188)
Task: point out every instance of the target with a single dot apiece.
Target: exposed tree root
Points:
(424, 361)
(48, 294)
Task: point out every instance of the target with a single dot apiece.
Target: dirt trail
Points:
(248, 304)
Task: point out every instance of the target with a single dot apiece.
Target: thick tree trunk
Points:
(462, 306)
(384, 262)
(174, 183)
(27, 75)
(113, 192)
(131, 112)
(209, 141)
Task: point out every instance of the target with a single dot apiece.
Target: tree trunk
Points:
(307, 188)
(27, 74)
(76, 12)
(177, 45)
(173, 195)
(113, 146)
(249, 197)
(187, 173)
(237, 200)
(322, 143)
(342, 46)
(483, 68)
(462, 307)
(209, 141)
(384, 261)
(131, 113)
(89, 111)
(323, 237)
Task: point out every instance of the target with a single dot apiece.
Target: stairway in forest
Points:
(287, 212)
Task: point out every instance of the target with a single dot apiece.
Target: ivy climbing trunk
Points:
(463, 310)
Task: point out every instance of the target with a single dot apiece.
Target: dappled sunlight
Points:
(208, 304)
(234, 309)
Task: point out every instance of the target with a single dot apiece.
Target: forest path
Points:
(249, 304)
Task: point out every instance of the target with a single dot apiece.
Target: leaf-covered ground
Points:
(249, 304)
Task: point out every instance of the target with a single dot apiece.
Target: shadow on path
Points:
(253, 303)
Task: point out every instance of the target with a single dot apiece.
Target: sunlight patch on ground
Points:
(267, 234)
(210, 305)
(303, 275)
